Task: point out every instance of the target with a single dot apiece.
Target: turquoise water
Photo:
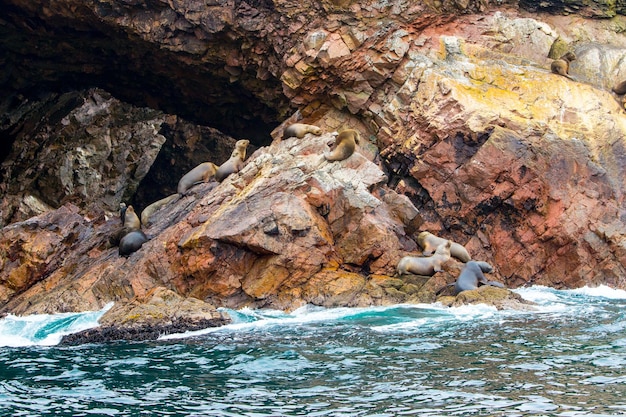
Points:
(565, 359)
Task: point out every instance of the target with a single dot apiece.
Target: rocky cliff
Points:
(465, 132)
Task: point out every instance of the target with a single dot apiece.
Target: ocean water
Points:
(568, 358)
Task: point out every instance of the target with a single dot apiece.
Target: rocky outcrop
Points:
(465, 133)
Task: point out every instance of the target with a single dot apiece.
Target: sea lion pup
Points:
(425, 265)
(235, 162)
(131, 220)
(345, 144)
(561, 66)
(620, 88)
(299, 130)
(472, 277)
(430, 242)
(201, 173)
(132, 242)
(156, 206)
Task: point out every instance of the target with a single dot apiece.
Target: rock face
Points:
(465, 133)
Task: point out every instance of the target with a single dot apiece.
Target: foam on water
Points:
(548, 300)
(45, 329)
(565, 358)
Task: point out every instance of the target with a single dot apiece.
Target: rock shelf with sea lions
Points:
(561, 66)
(345, 145)
(298, 130)
(429, 243)
(200, 173)
(428, 265)
(235, 162)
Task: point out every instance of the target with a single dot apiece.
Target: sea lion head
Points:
(240, 149)
(316, 130)
(570, 56)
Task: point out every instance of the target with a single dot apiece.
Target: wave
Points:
(45, 329)
(48, 329)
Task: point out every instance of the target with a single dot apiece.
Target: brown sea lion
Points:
(561, 66)
(299, 130)
(430, 242)
(620, 88)
(131, 242)
(154, 207)
(201, 173)
(425, 265)
(131, 220)
(345, 144)
(235, 162)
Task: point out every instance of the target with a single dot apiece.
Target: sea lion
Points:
(154, 207)
(430, 242)
(472, 277)
(620, 88)
(299, 130)
(201, 173)
(131, 220)
(235, 162)
(561, 66)
(425, 265)
(345, 144)
(119, 232)
(122, 212)
(132, 242)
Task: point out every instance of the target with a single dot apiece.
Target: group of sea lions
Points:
(438, 251)
(561, 67)
(132, 237)
(344, 145)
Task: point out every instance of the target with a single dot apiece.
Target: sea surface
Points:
(567, 358)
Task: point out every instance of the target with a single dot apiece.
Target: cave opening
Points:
(41, 56)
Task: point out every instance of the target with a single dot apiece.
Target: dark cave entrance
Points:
(41, 57)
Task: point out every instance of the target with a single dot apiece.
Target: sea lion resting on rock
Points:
(131, 242)
(472, 277)
(154, 207)
(345, 144)
(425, 265)
(430, 242)
(201, 173)
(130, 219)
(235, 162)
(561, 66)
(299, 130)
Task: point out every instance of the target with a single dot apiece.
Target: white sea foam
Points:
(247, 319)
(600, 291)
(45, 329)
